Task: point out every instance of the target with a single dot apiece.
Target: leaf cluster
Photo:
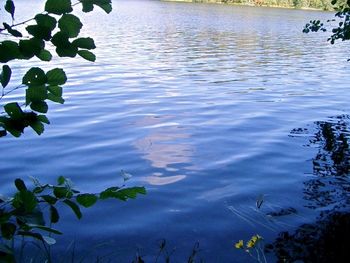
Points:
(30, 213)
(339, 32)
(23, 215)
(55, 26)
(41, 87)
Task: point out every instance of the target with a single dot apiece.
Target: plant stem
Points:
(22, 249)
(258, 254)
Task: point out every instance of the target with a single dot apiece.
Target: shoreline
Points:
(251, 5)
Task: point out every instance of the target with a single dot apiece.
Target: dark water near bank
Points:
(198, 103)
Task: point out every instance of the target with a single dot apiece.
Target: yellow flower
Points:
(252, 242)
(239, 244)
(259, 237)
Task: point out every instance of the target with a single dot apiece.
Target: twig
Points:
(8, 92)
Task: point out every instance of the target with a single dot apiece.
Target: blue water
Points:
(197, 102)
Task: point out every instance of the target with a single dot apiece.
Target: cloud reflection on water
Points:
(166, 147)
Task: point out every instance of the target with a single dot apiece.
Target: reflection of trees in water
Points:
(324, 241)
(331, 164)
(333, 156)
(333, 192)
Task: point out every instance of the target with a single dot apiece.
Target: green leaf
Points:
(64, 47)
(9, 50)
(132, 192)
(106, 5)
(334, 2)
(36, 94)
(55, 98)
(29, 200)
(61, 180)
(13, 32)
(34, 76)
(87, 200)
(84, 42)
(54, 216)
(62, 192)
(10, 8)
(74, 207)
(49, 199)
(109, 192)
(70, 52)
(87, 6)
(87, 55)
(39, 32)
(39, 106)
(60, 39)
(3, 133)
(46, 21)
(43, 119)
(122, 194)
(5, 216)
(58, 7)
(20, 185)
(5, 75)
(13, 126)
(45, 228)
(25, 199)
(31, 47)
(55, 90)
(8, 230)
(14, 110)
(37, 126)
(56, 77)
(70, 24)
(44, 55)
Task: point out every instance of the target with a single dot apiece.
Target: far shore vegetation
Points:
(299, 4)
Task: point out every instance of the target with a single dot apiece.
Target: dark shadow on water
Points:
(329, 190)
(331, 165)
(324, 241)
(332, 158)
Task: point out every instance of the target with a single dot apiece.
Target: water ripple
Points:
(196, 101)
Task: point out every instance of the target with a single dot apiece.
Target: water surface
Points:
(197, 102)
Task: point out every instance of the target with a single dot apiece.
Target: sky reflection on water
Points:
(196, 102)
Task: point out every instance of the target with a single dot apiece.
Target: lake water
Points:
(198, 103)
